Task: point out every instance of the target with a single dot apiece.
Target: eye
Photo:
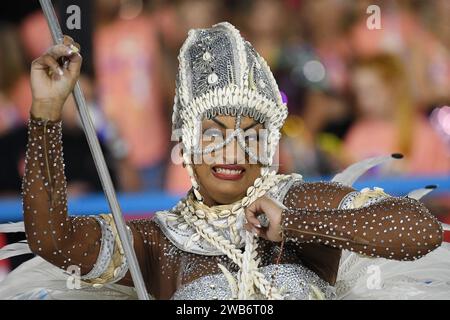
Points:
(212, 133)
(251, 137)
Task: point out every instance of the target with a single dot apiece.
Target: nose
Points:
(233, 153)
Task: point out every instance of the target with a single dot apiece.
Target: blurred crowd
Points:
(353, 92)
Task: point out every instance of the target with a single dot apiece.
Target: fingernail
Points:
(74, 49)
(60, 72)
(69, 49)
(259, 226)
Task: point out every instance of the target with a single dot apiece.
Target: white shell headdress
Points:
(220, 73)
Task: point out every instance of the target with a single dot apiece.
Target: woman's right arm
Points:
(88, 243)
(51, 233)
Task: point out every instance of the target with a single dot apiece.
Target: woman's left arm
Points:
(370, 223)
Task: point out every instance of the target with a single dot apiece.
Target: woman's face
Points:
(373, 96)
(225, 174)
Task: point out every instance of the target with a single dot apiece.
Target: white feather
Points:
(14, 249)
(12, 227)
(419, 193)
(356, 170)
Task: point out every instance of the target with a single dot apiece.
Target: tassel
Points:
(420, 193)
(356, 170)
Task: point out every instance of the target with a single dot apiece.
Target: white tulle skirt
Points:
(36, 279)
(362, 277)
(359, 277)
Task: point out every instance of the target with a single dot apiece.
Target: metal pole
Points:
(99, 161)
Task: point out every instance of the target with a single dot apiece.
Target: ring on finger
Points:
(263, 220)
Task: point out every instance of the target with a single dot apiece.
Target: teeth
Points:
(227, 171)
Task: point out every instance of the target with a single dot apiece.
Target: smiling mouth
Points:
(228, 172)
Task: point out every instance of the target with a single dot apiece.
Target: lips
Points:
(228, 172)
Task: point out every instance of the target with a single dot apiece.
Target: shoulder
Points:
(146, 227)
(180, 234)
(278, 192)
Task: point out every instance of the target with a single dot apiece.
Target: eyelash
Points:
(252, 137)
(216, 133)
(213, 133)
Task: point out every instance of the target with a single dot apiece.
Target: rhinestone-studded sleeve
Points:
(89, 243)
(390, 227)
(62, 240)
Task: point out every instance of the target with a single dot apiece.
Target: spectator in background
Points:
(35, 35)
(127, 65)
(305, 147)
(266, 24)
(174, 21)
(15, 93)
(403, 35)
(12, 120)
(35, 38)
(81, 172)
(436, 15)
(308, 146)
(309, 67)
(323, 26)
(83, 177)
(388, 120)
(15, 102)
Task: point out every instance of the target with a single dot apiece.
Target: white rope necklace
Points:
(209, 221)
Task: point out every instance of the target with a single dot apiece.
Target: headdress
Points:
(221, 74)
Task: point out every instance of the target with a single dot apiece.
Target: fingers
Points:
(272, 211)
(251, 213)
(68, 53)
(68, 48)
(58, 51)
(69, 42)
(75, 58)
(48, 62)
(251, 228)
(51, 59)
(75, 64)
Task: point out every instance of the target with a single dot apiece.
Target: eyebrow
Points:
(219, 123)
(225, 127)
(251, 126)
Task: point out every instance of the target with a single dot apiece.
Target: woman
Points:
(386, 110)
(243, 231)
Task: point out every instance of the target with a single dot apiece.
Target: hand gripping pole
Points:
(99, 161)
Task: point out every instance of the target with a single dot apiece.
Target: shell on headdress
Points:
(216, 67)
